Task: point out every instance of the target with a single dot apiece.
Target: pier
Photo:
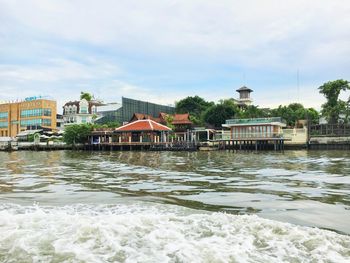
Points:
(252, 144)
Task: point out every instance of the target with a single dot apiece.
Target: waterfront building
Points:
(257, 133)
(140, 116)
(255, 128)
(142, 131)
(139, 132)
(182, 126)
(244, 97)
(32, 113)
(59, 122)
(79, 112)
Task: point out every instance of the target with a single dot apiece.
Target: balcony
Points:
(253, 121)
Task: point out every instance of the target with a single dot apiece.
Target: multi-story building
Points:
(33, 113)
(78, 112)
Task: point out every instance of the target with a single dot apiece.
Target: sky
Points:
(165, 50)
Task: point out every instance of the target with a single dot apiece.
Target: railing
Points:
(250, 135)
(330, 130)
(254, 120)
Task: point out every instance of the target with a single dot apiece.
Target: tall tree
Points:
(76, 133)
(195, 106)
(216, 115)
(334, 106)
(86, 95)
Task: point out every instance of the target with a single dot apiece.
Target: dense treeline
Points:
(209, 113)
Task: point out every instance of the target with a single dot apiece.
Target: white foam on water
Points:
(146, 232)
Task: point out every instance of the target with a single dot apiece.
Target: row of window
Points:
(36, 122)
(35, 112)
(4, 115)
(3, 124)
(252, 131)
(83, 109)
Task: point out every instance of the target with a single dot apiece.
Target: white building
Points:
(78, 112)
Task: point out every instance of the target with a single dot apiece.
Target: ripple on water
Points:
(146, 232)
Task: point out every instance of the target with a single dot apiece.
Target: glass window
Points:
(4, 115)
(83, 109)
(33, 122)
(3, 124)
(46, 122)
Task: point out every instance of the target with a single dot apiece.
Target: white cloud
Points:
(58, 70)
(279, 32)
(269, 36)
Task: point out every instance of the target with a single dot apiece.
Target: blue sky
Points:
(164, 50)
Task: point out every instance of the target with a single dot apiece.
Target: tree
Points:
(294, 112)
(252, 111)
(334, 106)
(195, 106)
(216, 115)
(85, 95)
(169, 121)
(77, 133)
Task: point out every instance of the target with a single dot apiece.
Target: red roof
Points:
(182, 119)
(143, 125)
(141, 116)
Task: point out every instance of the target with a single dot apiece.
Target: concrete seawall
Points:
(329, 143)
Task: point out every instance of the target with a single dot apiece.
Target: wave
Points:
(146, 232)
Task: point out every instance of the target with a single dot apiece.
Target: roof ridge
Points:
(150, 123)
(161, 124)
(128, 124)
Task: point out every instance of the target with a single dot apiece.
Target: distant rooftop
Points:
(244, 88)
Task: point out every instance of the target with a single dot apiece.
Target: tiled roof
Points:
(143, 125)
(141, 116)
(181, 119)
(244, 88)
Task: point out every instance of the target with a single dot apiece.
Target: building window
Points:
(4, 115)
(46, 122)
(83, 109)
(83, 119)
(3, 124)
(35, 113)
(47, 112)
(33, 122)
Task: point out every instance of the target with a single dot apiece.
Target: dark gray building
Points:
(131, 106)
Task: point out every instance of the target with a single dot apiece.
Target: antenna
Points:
(298, 86)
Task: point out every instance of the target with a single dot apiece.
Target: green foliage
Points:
(31, 138)
(77, 133)
(294, 112)
(203, 112)
(111, 124)
(195, 106)
(169, 121)
(334, 106)
(252, 112)
(216, 115)
(86, 95)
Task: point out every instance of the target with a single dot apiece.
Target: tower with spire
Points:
(244, 97)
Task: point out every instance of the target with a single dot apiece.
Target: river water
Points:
(69, 206)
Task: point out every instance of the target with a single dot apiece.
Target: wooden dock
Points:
(142, 146)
